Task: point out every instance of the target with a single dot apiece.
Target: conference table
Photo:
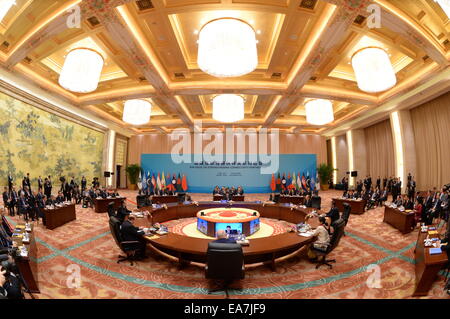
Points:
(404, 221)
(296, 200)
(27, 264)
(101, 204)
(164, 199)
(234, 198)
(358, 206)
(58, 216)
(260, 250)
(427, 266)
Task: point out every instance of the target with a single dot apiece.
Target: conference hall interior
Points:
(224, 149)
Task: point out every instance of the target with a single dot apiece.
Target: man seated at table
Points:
(383, 197)
(216, 190)
(308, 201)
(333, 214)
(373, 200)
(408, 203)
(222, 237)
(240, 191)
(398, 201)
(50, 201)
(122, 211)
(60, 198)
(130, 232)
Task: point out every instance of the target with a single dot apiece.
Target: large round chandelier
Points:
(228, 108)
(373, 70)
(137, 112)
(81, 70)
(319, 112)
(227, 48)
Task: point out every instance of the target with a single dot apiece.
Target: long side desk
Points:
(28, 265)
(358, 206)
(101, 204)
(235, 198)
(261, 250)
(59, 216)
(403, 221)
(427, 266)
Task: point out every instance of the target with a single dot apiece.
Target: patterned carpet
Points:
(86, 243)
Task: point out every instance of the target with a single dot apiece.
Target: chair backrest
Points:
(346, 213)
(316, 201)
(114, 226)
(224, 261)
(338, 227)
(111, 209)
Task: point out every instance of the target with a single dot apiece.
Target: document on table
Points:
(307, 234)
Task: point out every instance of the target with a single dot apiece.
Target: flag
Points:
(313, 184)
(283, 182)
(272, 183)
(174, 183)
(140, 181)
(278, 188)
(289, 181)
(299, 182)
(179, 188)
(308, 180)
(143, 182)
(154, 181)
(303, 181)
(184, 183)
(158, 182)
(163, 181)
(294, 182)
(149, 182)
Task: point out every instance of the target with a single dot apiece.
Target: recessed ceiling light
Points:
(258, 31)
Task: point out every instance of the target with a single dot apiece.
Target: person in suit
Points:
(378, 183)
(83, 183)
(383, 197)
(399, 201)
(130, 232)
(408, 203)
(47, 188)
(14, 197)
(23, 206)
(240, 191)
(216, 190)
(60, 198)
(7, 201)
(308, 201)
(40, 183)
(50, 201)
(222, 237)
(122, 211)
(41, 199)
(435, 210)
(10, 181)
(384, 182)
(333, 214)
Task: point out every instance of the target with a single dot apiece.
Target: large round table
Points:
(237, 219)
(265, 250)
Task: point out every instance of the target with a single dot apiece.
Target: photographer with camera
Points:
(10, 287)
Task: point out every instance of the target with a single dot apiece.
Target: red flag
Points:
(184, 183)
(273, 185)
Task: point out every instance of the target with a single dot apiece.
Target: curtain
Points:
(431, 124)
(380, 150)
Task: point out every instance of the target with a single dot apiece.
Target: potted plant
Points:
(325, 172)
(133, 171)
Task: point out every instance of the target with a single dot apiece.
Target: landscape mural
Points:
(40, 143)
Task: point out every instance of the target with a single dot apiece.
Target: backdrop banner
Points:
(203, 176)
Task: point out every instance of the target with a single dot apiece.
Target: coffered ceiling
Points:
(150, 52)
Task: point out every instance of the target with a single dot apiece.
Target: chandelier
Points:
(373, 70)
(5, 6)
(319, 112)
(137, 112)
(228, 108)
(227, 48)
(81, 70)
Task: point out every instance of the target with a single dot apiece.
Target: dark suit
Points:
(10, 182)
(225, 241)
(23, 207)
(308, 203)
(130, 232)
(333, 214)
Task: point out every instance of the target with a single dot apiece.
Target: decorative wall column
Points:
(109, 158)
(404, 145)
(357, 155)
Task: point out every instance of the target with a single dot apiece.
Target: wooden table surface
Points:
(101, 204)
(28, 265)
(59, 216)
(358, 206)
(403, 221)
(260, 250)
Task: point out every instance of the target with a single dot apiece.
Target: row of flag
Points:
(160, 181)
(298, 182)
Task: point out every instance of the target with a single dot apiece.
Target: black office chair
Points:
(338, 227)
(111, 209)
(225, 263)
(140, 200)
(316, 201)
(346, 213)
(128, 247)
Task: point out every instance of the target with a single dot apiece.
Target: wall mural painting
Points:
(40, 143)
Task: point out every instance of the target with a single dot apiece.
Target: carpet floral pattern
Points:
(86, 244)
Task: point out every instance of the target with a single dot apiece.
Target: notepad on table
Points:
(435, 251)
